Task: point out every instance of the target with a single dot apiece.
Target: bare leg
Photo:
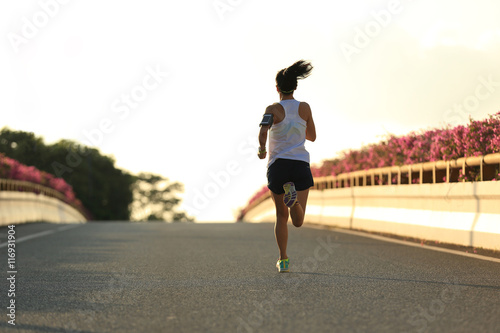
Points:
(298, 211)
(281, 228)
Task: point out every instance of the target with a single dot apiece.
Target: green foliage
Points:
(155, 199)
(107, 192)
(23, 147)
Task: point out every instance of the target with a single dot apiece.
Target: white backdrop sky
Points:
(81, 70)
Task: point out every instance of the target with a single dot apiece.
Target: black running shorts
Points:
(284, 170)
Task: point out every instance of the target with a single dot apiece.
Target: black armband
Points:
(267, 120)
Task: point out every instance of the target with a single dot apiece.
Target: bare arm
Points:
(263, 132)
(311, 130)
(306, 114)
(263, 141)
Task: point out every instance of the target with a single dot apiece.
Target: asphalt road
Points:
(156, 277)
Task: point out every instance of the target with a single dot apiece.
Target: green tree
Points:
(24, 147)
(106, 191)
(155, 199)
(102, 188)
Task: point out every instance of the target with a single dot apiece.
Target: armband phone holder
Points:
(267, 120)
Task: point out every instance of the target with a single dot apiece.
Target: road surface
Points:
(157, 277)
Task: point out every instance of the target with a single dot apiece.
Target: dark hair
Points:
(286, 79)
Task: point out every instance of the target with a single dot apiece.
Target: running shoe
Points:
(290, 194)
(282, 265)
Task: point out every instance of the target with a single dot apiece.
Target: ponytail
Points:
(286, 79)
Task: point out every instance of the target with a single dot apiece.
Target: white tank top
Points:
(287, 139)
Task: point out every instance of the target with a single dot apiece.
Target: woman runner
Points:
(288, 173)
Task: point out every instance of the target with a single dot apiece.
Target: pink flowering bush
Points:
(12, 169)
(479, 137)
(259, 194)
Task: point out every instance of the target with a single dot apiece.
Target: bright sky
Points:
(178, 87)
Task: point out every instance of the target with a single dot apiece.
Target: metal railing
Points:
(25, 186)
(488, 168)
(484, 167)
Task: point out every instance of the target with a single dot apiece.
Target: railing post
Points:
(434, 173)
(481, 168)
(421, 173)
(463, 171)
(447, 171)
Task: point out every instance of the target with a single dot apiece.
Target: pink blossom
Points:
(12, 169)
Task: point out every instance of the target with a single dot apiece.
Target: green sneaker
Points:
(283, 265)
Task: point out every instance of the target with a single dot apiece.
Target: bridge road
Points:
(156, 277)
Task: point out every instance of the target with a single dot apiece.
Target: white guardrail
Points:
(22, 202)
(438, 207)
